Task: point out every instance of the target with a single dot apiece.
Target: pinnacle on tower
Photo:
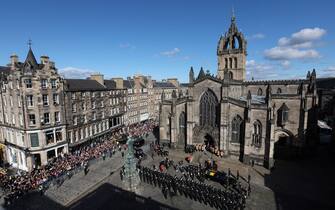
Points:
(191, 75)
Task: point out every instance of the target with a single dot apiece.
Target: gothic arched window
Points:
(279, 91)
(259, 92)
(209, 109)
(236, 43)
(230, 63)
(282, 115)
(231, 75)
(182, 128)
(236, 129)
(235, 63)
(182, 120)
(257, 134)
(226, 63)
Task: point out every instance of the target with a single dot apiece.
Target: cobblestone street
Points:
(269, 191)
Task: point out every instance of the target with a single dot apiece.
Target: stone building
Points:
(94, 108)
(326, 94)
(249, 120)
(162, 89)
(139, 98)
(32, 121)
(145, 96)
(42, 114)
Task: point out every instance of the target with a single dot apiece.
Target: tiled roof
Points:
(4, 69)
(164, 85)
(128, 83)
(83, 85)
(325, 83)
(110, 84)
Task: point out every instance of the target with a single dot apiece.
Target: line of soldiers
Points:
(227, 198)
(193, 171)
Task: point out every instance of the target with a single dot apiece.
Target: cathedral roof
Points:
(255, 99)
(275, 82)
(325, 83)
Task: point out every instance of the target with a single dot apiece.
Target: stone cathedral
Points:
(253, 121)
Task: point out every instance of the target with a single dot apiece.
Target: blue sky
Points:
(164, 38)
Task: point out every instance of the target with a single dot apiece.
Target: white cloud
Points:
(260, 71)
(328, 72)
(330, 69)
(171, 53)
(285, 64)
(287, 53)
(76, 73)
(298, 46)
(257, 36)
(126, 45)
(305, 35)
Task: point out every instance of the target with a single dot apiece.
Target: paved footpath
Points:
(80, 184)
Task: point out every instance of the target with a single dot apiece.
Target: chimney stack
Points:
(98, 77)
(119, 82)
(174, 81)
(13, 60)
(44, 59)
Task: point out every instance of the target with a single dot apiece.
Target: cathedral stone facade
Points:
(248, 120)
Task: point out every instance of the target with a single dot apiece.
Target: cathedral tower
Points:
(232, 53)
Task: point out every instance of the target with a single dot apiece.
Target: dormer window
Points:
(282, 115)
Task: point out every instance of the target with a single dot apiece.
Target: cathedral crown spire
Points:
(233, 18)
(232, 52)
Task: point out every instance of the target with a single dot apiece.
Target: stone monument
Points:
(131, 176)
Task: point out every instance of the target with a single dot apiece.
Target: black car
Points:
(216, 176)
(139, 142)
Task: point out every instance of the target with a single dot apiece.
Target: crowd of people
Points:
(142, 128)
(14, 186)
